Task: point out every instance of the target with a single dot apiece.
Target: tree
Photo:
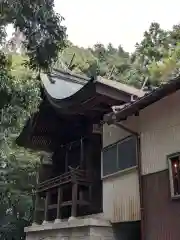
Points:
(111, 49)
(99, 51)
(18, 170)
(175, 35)
(15, 44)
(152, 56)
(41, 27)
(169, 67)
(106, 62)
(154, 45)
(20, 97)
(153, 48)
(43, 37)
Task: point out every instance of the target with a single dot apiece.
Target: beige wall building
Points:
(157, 123)
(120, 187)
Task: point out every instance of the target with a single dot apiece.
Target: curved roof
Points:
(69, 96)
(61, 85)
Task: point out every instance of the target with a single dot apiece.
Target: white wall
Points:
(159, 127)
(112, 133)
(121, 197)
(120, 191)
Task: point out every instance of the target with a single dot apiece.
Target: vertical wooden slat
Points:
(59, 201)
(74, 199)
(66, 160)
(82, 154)
(35, 218)
(90, 193)
(46, 206)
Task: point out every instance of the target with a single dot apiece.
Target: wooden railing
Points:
(75, 178)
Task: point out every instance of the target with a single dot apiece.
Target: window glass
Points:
(120, 156)
(110, 160)
(127, 153)
(175, 174)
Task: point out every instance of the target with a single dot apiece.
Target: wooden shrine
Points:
(68, 125)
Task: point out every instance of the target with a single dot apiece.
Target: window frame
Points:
(105, 148)
(123, 171)
(169, 160)
(124, 140)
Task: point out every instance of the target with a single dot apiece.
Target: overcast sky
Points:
(116, 21)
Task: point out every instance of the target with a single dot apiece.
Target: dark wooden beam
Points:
(46, 206)
(74, 199)
(59, 202)
(82, 153)
(66, 160)
(36, 205)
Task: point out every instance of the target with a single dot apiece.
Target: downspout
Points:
(139, 167)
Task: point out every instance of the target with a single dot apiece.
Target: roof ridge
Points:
(122, 86)
(71, 73)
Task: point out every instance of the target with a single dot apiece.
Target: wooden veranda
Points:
(77, 181)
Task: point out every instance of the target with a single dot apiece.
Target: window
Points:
(119, 156)
(110, 160)
(174, 172)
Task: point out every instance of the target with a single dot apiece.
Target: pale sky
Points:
(116, 21)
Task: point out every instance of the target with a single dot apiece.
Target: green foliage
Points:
(168, 67)
(19, 93)
(155, 59)
(18, 169)
(43, 38)
(44, 35)
(17, 182)
(107, 62)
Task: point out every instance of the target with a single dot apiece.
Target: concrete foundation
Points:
(77, 229)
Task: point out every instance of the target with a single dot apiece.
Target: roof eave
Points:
(143, 102)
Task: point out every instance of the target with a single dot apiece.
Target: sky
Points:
(121, 22)
(116, 21)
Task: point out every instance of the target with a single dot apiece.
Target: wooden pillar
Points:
(66, 160)
(74, 199)
(90, 193)
(36, 204)
(46, 206)
(59, 201)
(82, 153)
(36, 198)
(89, 157)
